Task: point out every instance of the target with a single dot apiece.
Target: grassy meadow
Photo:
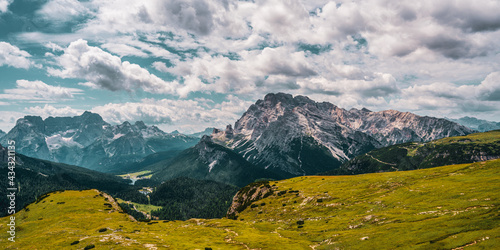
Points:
(449, 207)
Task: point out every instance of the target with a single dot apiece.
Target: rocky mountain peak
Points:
(91, 118)
(35, 122)
(299, 128)
(140, 125)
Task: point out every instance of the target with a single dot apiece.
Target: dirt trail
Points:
(115, 205)
(390, 164)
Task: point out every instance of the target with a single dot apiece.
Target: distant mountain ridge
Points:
(207, 131)
(477, 124)
(298, 136)
(88, 141)
(472, 148)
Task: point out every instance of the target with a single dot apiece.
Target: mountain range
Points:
(278, 137)
(477, 124)
(283, 136)
(88, 141)
(417, 155)
(294, 136)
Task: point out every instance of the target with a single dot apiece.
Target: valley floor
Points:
(450, 207)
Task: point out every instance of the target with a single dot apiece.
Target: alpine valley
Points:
(291, 172)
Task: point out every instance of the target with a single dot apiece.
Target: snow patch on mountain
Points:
(211, 165)
(57, 141)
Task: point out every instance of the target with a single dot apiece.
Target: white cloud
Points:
(378, 53)
(38, 91)
(11, 55)
(8, 119)
(123, 50)
(107, 71)
(60, 11)
(452, 98)
(4, 5)
(264, 69)
(49, 110)
(185, 115)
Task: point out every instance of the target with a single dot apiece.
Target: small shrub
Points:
(102, 230)
(89, 247)
(75, 242)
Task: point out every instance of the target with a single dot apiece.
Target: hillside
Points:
(437, 208)
(185, 198)
(210, 161)
(415, 155)
(35, 177)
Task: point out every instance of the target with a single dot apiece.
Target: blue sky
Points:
(193, 64)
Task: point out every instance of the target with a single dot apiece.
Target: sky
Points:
(190, 64)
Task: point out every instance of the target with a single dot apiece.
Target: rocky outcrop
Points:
(247, 195)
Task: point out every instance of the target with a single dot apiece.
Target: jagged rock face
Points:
(89, 141)
(299, 136)
(29, 134)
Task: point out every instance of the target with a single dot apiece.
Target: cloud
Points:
(378, 53)
(186, 115)
(477, 16)
(8, 119)
(107, 71)
(61, 11)
(489, 89)
(12, 56)
(451, 97)
(4, 5)
(376, 85)
(264, 69)
(124, 50)
(38, 91)
(49, 110)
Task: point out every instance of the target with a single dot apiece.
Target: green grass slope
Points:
(415, 155)
(35, 177)
(450, 207)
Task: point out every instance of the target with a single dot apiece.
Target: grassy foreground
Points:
(450, 207)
